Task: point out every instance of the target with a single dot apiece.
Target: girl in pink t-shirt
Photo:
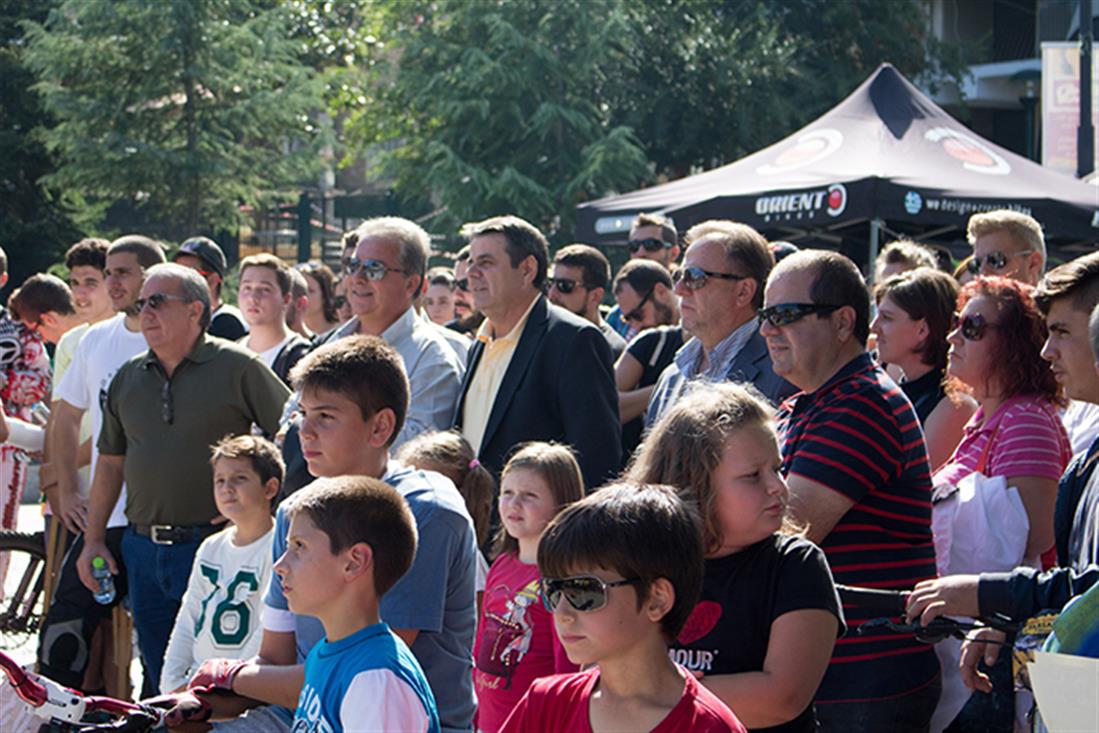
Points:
(516, 641)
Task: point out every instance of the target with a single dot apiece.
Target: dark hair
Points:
(365, 369)
(929, 294)
(441, 276)
(42, 293)
(836, 281)
(1020, 333)
(448, 453)
(687, 443)
(326, 281)
(593, 263)
(463, 254)
(744, 248)
(147, 251)
(90, 252)
(643, 275)
(265, 259)
(556, 465)
(354, 509)
(523, 241)
(635, 530)
(349, 240)
(1077, 279)
(667, 227)
(265, 456)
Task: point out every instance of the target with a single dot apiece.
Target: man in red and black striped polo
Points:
(857, 466)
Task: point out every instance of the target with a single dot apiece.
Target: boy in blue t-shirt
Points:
(350, 539)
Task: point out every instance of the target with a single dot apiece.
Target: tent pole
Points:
(876, 226)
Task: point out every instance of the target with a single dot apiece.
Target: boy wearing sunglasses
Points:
(621, 571)
(1007, 243)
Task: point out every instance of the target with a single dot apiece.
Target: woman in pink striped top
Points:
(1016, 433)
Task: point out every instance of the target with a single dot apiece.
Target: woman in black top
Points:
(915, 312)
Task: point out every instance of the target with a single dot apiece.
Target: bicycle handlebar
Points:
(58, 703)
(893, 602)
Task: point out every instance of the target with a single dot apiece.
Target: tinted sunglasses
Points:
(972, 327)
(584, 592)
(784, 314)
(463, 284)
(636, 314)
(651, 244)
(371, 269)
(156, 300)
(694, 278)
(563, 284)
(339, 301)
(995, 260)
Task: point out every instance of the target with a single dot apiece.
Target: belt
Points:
(166, 534)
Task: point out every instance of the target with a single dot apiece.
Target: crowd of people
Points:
(402, 498)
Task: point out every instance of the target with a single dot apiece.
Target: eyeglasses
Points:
(694, 278)
(996, 260)
(463, 284)
(972, 327)
(156, 300)
(649, 245)
(166, 411)
(784, 314)
(563, 284)
(584, 592)
(373, 270)
(636, 314)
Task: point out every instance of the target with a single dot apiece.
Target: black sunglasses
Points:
(156, 300)
(339, 301)
(784, 314)
(463, 284)
(996, 260)
(373, 270)
(651, 244)
(563, 284)
(694, 278)
(584, 592)
(972, 327)
(636, 314)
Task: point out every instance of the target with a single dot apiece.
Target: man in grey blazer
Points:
(720, 287)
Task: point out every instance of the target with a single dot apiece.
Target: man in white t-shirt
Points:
(264, 297)
(73, 614)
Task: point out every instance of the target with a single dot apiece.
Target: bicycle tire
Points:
(23, 604)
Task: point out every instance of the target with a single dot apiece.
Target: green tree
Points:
(497, 107)
(34, 227)
(182, 110)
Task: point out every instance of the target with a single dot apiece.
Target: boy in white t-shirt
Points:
(220, 613)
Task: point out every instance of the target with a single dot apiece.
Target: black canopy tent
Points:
(886, 157)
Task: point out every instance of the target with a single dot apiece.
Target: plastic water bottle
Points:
(102, 574)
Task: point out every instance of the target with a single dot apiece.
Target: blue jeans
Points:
(157, 576)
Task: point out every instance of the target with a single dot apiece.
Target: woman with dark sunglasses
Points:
(1016, 433)
(914, 314)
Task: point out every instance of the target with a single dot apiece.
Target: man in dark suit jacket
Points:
(535, 371)
(720, 287)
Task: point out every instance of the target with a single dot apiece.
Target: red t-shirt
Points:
(560, 705)
(516, 641)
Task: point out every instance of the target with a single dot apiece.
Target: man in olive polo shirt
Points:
(164, 409)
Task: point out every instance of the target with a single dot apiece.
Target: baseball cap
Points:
(206, 250)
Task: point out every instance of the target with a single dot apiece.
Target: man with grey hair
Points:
(1007, 243)
(163, 411)
(720, 289)
(385, 275)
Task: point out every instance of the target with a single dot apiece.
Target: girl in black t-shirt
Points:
(762, 634)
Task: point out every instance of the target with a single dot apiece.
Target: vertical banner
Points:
(1061, 104)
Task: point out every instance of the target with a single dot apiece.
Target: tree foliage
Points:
(34, 227)
(183, 109)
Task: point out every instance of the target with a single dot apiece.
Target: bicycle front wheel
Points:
(22, 599)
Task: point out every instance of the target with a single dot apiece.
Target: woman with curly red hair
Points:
(1016, 433)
